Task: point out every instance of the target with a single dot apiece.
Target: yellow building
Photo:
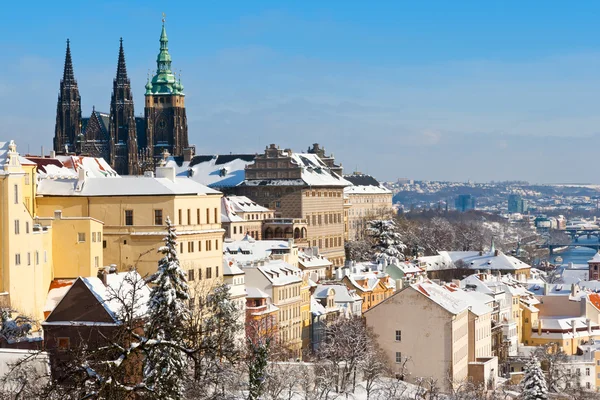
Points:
(134, 210)
(37, 250)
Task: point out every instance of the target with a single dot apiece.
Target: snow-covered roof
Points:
(316, 308)
(478, 302)
(595, 259)
(314, 173)
(441, 296)
(280, 273)
(67, 166)
(307, 261)
(368, 281)
(218, 171)
(495, 261)
(364, 184)
(118, 288)
(122, 186)
(58, 289)
(250, 250)
(231, 206)
(342, 294)
(255, 293)
(230, 268)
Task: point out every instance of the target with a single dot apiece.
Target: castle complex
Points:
(130, 144)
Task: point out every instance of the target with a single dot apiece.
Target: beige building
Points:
(305, 191)
(134, 210)
(431, 331)
(301, 185)
(37, 250)
(242, 216)
(368, 200)
(283, 283)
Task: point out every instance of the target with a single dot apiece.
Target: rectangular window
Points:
(208, 272)
(181, 248)
(398, 357)
(104, 244)
(319, 219)
(97, 262)
(158, 217)
(398, 336)
(64, 343)
(216, 215)
(26, 226)
(93, 237)
(180, 218)
(129, 217)
(207, 245)
(191, 275)
(587, 372)
(28, 258)
(37, 258)
(207, 216)
(27, 179)
(17, 259)
(190, 247)
(81, 237)
(198, 216)
(216, 244)
(217, 271)
(189, 216)
(199, 274)
(199, 245)
(17, 227)
(16, 194)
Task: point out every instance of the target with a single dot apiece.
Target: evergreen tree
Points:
(387, 240)
(534, 382)
(166, 363)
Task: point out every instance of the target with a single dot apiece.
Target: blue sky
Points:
(426, 90)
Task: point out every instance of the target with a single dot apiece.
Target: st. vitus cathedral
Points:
(130, 144)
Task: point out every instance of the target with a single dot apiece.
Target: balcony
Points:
(285, 228)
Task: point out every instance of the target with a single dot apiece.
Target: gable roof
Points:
(217, 171)
(85, 298)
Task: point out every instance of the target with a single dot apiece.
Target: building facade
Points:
(134, 211)
(368, 200)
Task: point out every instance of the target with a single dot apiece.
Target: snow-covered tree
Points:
(534, 382)
(387, 241)
(165, 365)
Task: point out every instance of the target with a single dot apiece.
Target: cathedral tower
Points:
(166, 121)
(68, 110)
(122, 126)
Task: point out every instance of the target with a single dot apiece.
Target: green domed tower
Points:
(166, 121)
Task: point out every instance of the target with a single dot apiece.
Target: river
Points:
(579, 256)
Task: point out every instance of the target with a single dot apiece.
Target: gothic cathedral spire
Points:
(68, 110)
(122, 127)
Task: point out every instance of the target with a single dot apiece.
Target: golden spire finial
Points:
(164, 17)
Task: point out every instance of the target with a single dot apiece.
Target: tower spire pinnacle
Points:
(121, 67)
(68, 75)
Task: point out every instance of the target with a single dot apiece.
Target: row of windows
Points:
(326, 243)
(96, 237)
(192, 274)
(324, 219)
(288, 292)
(198, 214)
(316, 193)
(290, 313)
(191, 246)
(159, 220)
(36, 257)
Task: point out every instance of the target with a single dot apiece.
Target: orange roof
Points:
(595, 299)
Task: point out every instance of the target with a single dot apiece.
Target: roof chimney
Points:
(166, 172)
